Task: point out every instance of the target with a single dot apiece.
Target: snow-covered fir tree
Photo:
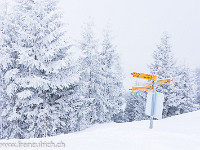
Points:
(44, 71)
(88, 66)
(186, 90)
(8, 69)
(101, 79)
(164, 67)
(135, 106)
(198, 85)
(177, 93)
(110, 78)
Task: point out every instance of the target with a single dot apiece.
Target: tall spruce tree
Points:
(164, 67)
(111, 77)
(8, 69)
(101, 79)
(88, 67)
(44, 71)
(179, 95)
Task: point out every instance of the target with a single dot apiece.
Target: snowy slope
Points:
(176, 133)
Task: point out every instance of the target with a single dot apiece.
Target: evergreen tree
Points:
(8, 69)
(185, 87)
(101, 79)
(179, 95)
(110, 80)
(45, 70)
(135, 106)
(164, 67)
(198, 85)
(88, 76)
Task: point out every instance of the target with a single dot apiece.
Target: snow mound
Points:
(176, 133)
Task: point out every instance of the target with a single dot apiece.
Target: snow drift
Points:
(176, 133)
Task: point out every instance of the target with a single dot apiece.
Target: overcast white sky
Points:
(138, 26)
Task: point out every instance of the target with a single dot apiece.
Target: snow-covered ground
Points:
(176, 133)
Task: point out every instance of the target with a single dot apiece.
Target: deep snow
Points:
(180, 132)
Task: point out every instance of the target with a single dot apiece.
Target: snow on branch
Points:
(33, 81)
(11, 74)
(25, 94)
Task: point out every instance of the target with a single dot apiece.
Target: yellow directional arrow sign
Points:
(144, 76)
(154, 107)
(164, 81)
(141, 89)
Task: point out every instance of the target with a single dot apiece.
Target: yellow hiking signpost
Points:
(164, 81)
(141, 89)
(144, 76)
(153, 106)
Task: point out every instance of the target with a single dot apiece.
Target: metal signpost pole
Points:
(152, 105)
(1, 127)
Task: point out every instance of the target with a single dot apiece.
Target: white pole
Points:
(1, 127)
(152, 105)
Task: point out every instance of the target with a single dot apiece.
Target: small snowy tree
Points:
(198, 85)
(135, 106)
(185, 87)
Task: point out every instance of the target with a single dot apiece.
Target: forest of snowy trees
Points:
(45, 91)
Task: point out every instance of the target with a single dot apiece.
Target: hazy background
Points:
(138, 25)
